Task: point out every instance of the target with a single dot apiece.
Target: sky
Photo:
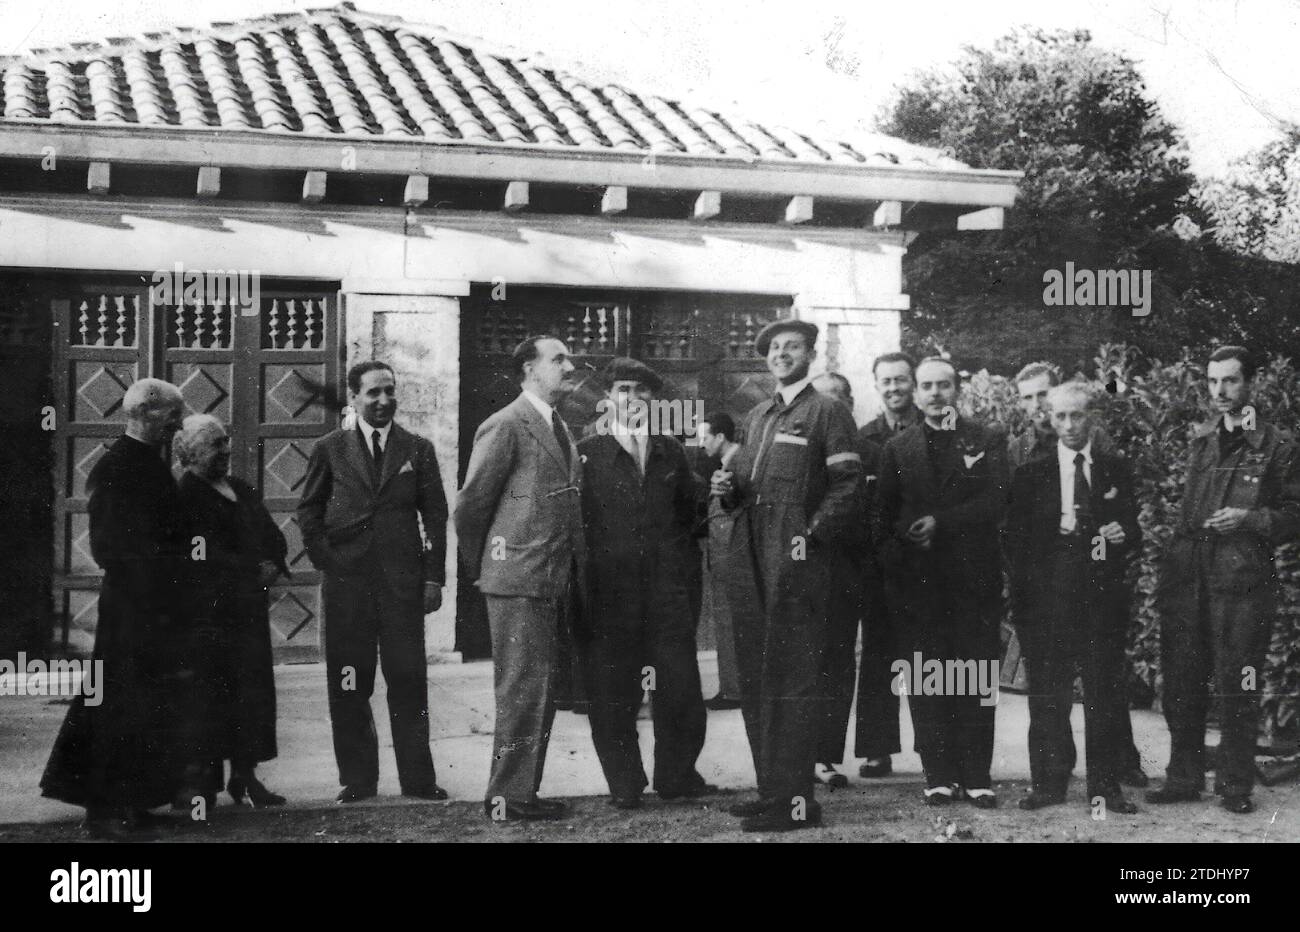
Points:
(1224, 71)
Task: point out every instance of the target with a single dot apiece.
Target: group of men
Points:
(949, 508)
(816, 530)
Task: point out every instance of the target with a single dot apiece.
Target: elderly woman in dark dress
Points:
(238, 552)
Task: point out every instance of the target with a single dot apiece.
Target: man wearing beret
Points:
(793, 489)
(638, 510)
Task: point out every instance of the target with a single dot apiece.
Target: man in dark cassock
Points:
(119, 758)
(232, 709)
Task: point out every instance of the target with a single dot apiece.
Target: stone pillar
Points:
(851, 339)
(419, 336)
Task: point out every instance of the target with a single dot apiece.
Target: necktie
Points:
(1082, 497)
(561, 436)
(378, 452)
(639, 441)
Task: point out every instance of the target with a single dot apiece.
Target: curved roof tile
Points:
(343, 72)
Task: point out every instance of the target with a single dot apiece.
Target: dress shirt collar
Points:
(897, 422)
(367, 429)
(1066, 456)
(789, 393)
(542, 407)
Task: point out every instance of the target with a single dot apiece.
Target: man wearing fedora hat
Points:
(793, 488)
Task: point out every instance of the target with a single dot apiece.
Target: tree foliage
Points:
(1106, 186)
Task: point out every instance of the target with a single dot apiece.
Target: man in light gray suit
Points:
(519, 520)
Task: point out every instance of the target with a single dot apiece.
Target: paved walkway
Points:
(460, 700)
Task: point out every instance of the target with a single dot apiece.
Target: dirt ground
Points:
(881, 813)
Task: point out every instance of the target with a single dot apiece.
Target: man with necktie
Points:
(364, 490)
(519, 523)
(638, 508)
(1071, 528)
(793, 488)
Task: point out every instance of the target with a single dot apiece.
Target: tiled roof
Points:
(348, 73)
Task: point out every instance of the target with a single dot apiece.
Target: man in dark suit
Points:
(364, 490)
(875, 732)
(940, 501)
(519, 521)
(1071, 528)
(638, 508)
(121, 757)
(1037, 441)
(1216, 590)
(794, 490)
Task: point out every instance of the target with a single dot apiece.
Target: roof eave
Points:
(492, 161)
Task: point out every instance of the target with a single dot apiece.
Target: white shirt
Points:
(368, 430)
(788, 392)
(1065, 459)
(636, 441)
(542, 407)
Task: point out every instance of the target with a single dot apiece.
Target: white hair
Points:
(145, 396)
(193, 435)
(1070, 390)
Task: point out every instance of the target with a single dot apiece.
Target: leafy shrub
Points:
(1150, 409)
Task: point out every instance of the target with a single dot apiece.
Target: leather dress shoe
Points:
(754, 807)
(626, 802)
(538, 810)
(432, 792)
(779, 819)
(1118, 802)
(938, 799)
(252, 789)
(983, 800)
(1241, 805)
(1037, 799)
(827, 775)
(355, 792)
(1135, 778)
(878, 767)
(721, 703)
(1172, 794)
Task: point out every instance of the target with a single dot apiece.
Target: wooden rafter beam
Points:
(313, 187)
(707, 206)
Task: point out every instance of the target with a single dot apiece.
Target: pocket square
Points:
(406, 467)
(1112, 493)
(972, 460)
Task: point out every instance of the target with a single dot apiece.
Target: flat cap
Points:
(626, 369)
(764, 338)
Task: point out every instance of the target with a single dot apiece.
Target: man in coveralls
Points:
(794, 490)
(1216, 588)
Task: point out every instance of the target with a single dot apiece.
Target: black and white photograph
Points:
(626, 421)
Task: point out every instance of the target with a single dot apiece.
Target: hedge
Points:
(1150, 408)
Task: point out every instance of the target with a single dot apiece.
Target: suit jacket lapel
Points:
(951, 463)
(398, 452)
(360, 457)
(917, 451)
(543, 431)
